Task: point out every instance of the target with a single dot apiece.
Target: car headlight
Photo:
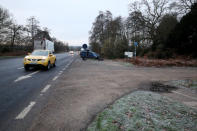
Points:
(43, 60)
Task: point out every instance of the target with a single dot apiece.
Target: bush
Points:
(15, 48)
(4, 49)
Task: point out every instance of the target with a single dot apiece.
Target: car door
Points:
(54, 58)
(51, 57)
(91, 55)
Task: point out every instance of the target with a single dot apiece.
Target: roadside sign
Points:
(135, 43)
(128, 54)
(85, 46)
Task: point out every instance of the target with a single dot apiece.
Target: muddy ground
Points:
(87, 87)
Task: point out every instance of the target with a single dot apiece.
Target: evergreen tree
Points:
(183, 39)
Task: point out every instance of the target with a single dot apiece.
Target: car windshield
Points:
(95, 54)
(40, 53)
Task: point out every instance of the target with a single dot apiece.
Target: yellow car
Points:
(40, 58)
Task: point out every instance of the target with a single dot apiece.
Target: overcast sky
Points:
(68, 20)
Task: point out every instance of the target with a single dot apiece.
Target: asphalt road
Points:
(22, 93)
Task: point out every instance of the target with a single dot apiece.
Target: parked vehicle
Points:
(40, 58)
(89, 54)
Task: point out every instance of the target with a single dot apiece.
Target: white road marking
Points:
(33, 73)
(26, 110)
(184, 95)
(46, 88)
(25, 76)
(55, 78)
(68, 64)
(20, 68)
(22, 78)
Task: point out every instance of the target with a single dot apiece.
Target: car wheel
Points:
(26, 68)
(48, 66)
(54, 65)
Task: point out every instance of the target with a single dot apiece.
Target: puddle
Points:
(158, 86)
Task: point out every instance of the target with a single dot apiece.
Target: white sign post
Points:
(128, 54)
(135, 44)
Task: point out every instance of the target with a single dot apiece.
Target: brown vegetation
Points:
(163, 63)
(15, 53)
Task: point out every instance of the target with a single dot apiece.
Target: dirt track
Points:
(89, 86)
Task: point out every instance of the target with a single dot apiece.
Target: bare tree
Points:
(151, 12)
(14, 31)
(135, 27)
(33, 27)
(182, 7)
(46, 29)
(5, 22)
(186, 4)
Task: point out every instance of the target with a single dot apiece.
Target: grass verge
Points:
(145, 111)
